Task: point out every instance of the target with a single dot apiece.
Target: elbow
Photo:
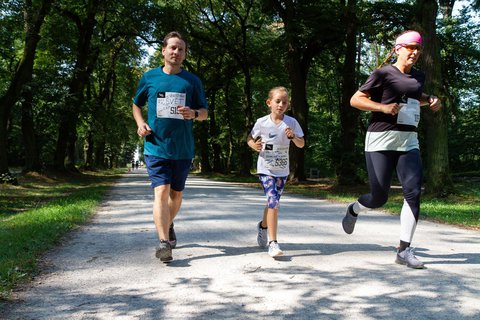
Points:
(301, 143)
(353, 101)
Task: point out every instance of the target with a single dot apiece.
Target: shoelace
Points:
(410, 253)
(274, 246)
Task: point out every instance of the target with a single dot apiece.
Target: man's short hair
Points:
(174, 34)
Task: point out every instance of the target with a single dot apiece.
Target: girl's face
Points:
(409, 53)
(278, 103)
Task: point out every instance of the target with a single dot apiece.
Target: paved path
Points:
(107, 269)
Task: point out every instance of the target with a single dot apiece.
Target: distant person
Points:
(175, 99)
(136, 164)
(271, 137)
(394, 95)
(133, 165)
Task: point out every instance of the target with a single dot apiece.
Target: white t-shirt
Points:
(273, 160)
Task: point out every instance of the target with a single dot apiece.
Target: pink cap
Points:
(408, 37)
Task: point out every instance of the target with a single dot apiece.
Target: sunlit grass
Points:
(37, 214)
(461, 208)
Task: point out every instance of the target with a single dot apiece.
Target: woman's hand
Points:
(391, 108)
(434, 103)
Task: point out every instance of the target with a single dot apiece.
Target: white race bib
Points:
(409, 113)
(167, 103)
(276, 157)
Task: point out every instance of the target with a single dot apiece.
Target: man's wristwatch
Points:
(196, 114)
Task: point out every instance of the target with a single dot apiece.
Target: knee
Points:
(378, 201)
(161, 192)
(175, 195)
(412, 194)
(273, 202)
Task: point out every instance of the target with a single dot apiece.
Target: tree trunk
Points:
(32, 154)
(231, 141)
(348, 162)
(89, 151)
(299, 107)
(67, 133)
(100, 153)
(245, 155)
(213, 132)
(34, 18)
(437, 172)
(297, 73)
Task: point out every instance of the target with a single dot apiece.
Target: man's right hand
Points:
(144, 130)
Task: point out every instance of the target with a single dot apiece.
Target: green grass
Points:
(36, 215)
(461, 209)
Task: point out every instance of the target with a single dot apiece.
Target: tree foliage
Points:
(73, 107)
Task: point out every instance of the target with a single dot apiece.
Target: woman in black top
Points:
(394, 94)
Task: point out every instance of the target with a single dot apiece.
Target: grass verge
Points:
(461, 209)
(35, 215)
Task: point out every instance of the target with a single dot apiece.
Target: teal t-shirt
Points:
(172, 136)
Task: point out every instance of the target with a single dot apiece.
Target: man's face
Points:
(174, 52)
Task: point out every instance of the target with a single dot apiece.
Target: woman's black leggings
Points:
(408, 164)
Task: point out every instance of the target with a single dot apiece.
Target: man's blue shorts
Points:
(165, 171)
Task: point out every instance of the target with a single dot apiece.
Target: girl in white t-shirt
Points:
(271, 137)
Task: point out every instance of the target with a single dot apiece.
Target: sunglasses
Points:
(412, 47)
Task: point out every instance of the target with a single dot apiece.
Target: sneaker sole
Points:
(278, 254)
(171, 235)
(403, 263)
(347, 224)
(261, 244)
(344, 225)
(163, 255)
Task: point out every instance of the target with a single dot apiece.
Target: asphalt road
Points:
(108, 270)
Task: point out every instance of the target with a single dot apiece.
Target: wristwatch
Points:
(196, 114)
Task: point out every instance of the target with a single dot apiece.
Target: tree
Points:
(34, 16)
(346, 168)
(84, 63)
(438, 180)
(309, 27)
(230, 26)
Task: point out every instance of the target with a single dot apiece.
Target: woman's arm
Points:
(361, 100)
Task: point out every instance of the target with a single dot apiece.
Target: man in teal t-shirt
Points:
(175, 98)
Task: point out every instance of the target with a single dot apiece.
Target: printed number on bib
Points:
(167, 103)
(409, 113)
(276, 157)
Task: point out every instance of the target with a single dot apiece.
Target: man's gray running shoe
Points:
(406, 257)
(164, 251)
(172, 237)
(262, 236)
(349, 220)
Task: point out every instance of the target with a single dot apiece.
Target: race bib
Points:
(409, 113)
(276, 157)
(167, 103)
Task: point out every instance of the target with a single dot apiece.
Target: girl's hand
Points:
(289, 133)
(257, 144)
